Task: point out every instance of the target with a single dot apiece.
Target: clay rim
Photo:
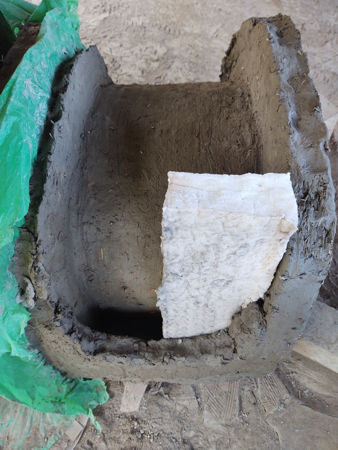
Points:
(308, 202)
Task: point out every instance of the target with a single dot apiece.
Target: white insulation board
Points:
(222, 239)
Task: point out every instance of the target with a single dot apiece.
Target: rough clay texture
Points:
(222, 239)
(329, 291)
(289, 100)
(133, 136)
(266, 65)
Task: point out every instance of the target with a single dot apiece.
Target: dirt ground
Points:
(173, 41)
(196, 418)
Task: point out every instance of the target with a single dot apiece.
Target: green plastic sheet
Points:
(25, 376)
(16, 12)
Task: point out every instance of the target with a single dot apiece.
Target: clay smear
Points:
(222, 239)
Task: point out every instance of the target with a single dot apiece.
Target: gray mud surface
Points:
(97, 232)
(134, 136)
(329, 291)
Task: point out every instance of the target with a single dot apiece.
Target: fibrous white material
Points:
(222, 239)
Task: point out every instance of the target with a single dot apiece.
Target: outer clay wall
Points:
(265, 59)
(266, 54)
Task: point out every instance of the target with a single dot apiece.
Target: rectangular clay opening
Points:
(133, 138)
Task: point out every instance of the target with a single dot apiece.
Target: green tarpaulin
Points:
(24, 375)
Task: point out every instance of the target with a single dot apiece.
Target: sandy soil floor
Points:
(173, 41)
(197, 418)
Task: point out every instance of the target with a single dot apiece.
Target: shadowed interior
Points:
(132, 138)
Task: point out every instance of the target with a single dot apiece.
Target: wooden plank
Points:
(317, 354)
(132, 396)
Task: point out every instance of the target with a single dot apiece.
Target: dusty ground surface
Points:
(253, 413)
(172, 41)
(263, 417)
(162, 41)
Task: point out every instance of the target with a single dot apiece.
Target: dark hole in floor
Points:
(139, 324)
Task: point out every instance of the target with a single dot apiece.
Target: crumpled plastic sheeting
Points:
(16, 12)
(24, 374)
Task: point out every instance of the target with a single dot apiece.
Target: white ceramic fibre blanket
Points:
(222, 239)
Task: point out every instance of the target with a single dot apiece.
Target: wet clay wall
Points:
(100, 209)
(135, 135)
